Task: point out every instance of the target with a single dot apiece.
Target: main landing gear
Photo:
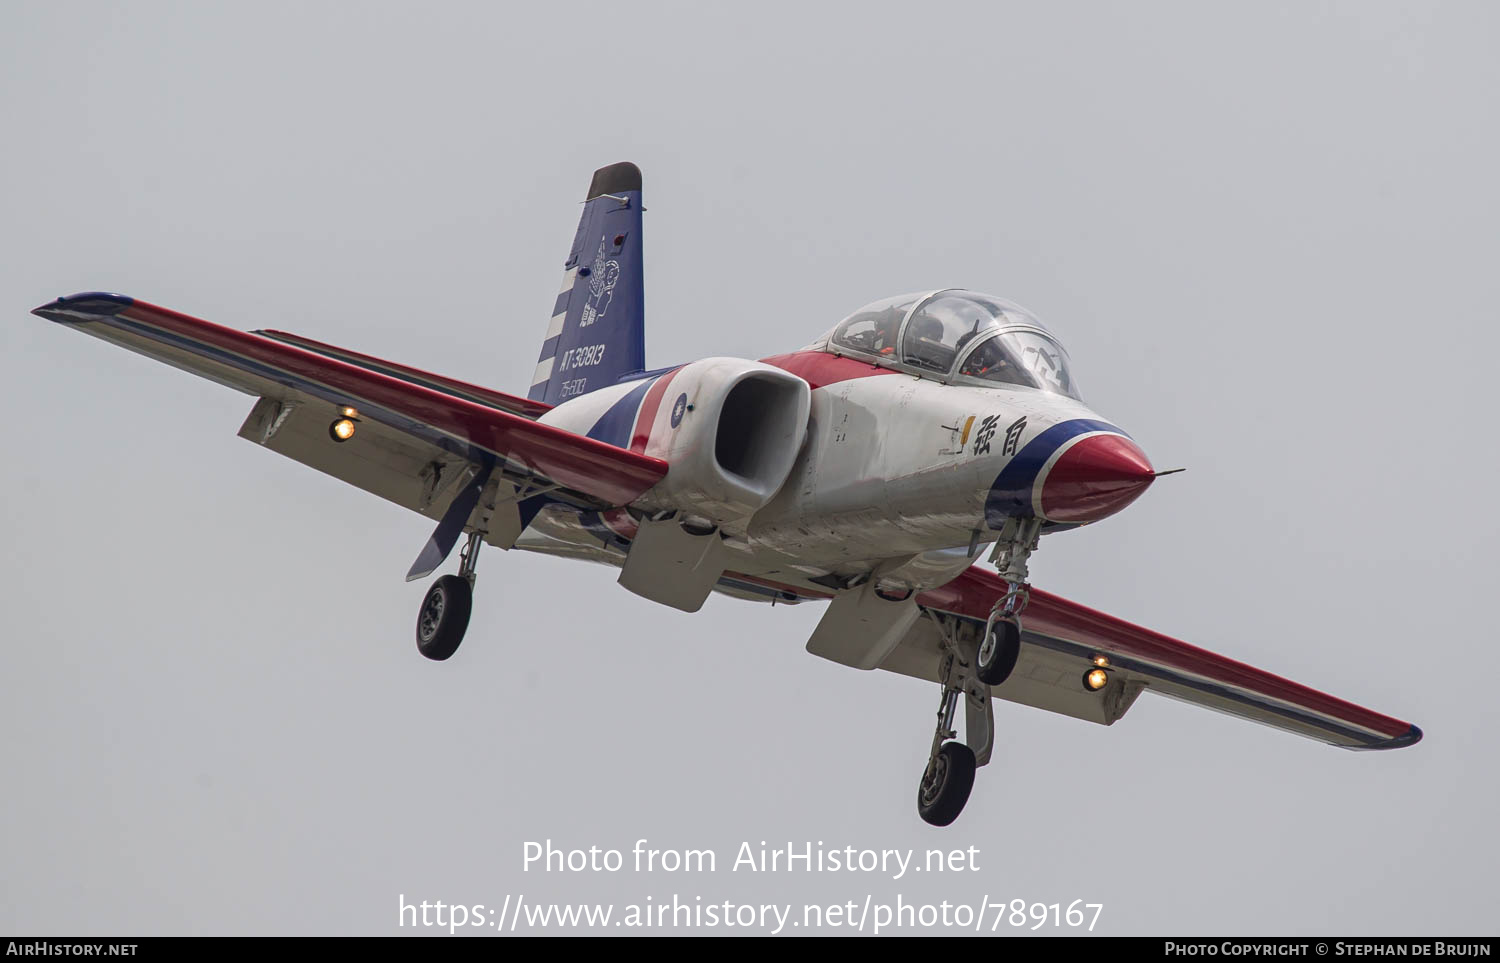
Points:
(949, 776)
(969, 667)
(444, 615)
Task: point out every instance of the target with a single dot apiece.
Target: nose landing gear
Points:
(999, 649)
(1001, 642)
(444, 615)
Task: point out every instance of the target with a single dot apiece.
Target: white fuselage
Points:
(891, 479)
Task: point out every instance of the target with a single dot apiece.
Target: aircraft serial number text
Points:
(584, 357)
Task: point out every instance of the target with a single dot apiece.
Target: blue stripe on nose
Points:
(1010, 495)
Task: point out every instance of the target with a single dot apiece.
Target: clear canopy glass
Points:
(1021, 358)
(873, 328)
(956, 335)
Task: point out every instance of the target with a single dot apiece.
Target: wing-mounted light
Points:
(342, 428)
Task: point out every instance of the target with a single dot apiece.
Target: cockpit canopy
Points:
(957, 336)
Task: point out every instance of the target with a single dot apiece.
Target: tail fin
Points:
(598, 329)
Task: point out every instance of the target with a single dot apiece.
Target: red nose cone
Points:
(1095, 478)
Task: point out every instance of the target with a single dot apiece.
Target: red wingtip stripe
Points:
(973, 592)
(583, 464)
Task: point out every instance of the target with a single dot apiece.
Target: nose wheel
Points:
(444, 615)
(1000, 645)
(999, 650)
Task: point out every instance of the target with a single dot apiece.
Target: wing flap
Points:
(392, 464)
(1143, 659)
(288, 373)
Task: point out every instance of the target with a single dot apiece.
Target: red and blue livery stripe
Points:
(628, 422)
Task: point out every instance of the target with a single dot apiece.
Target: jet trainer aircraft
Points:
(869, 470)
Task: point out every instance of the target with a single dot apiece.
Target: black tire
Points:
(444, 617)
(996, 662)
(946, 785)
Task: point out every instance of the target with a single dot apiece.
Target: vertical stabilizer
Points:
(598, 329)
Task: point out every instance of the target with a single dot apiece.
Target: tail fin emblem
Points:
(601, 286)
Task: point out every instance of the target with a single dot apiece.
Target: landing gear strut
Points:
(969, 668)
(949, 776)
(1001, 643)
(444, 615)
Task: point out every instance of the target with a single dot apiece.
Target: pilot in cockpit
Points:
(956, 334)
(924, 344)
(992, 362)
(874, 332)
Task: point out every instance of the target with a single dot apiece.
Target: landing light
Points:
(1095, 679)
(348, 412)
(341, 430)
(1102, 661)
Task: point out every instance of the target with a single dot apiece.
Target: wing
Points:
(419, 435)
(524, 407)
(1061, 639)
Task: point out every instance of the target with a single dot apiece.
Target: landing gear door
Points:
(673, 565)
(860, 628)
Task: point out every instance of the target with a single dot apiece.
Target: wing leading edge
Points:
(469, 422)
(1144, 660)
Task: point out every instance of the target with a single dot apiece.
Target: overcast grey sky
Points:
(1267, 233)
